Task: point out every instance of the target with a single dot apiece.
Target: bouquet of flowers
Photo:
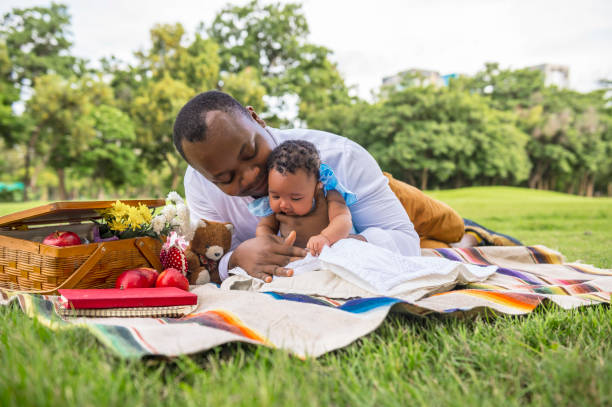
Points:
(174, 217)
(122, 221)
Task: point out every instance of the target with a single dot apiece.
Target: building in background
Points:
(414, 77)
(417, 77)
(557, 75)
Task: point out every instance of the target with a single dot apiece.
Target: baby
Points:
(295, 173)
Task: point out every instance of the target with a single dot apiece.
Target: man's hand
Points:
(316, 243)
(308, 225)
(265, 256)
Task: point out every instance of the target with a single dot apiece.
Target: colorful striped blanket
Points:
(308, 325)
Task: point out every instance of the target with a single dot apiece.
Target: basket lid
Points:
(68, 212)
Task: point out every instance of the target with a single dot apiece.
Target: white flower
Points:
(169, 211)
(182, 213)
(190, 227)
(175, 223)
(174, 197)
(158, 223)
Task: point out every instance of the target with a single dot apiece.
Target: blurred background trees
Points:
(71, 130)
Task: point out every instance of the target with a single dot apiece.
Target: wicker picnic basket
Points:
(26, 265)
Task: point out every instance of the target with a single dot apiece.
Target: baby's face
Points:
(291, 194)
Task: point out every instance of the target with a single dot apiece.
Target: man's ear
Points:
(255, 116)
(319, 185)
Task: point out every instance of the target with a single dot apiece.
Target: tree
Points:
(64, 125)
(9, 94)
(272, 40)
(196, 65)
(38, 43)
(38, 40)
(567, 145)
(268, 38)
(153, 112)
(435, 137)
(110, 159)
(245, 87)
(507, 89)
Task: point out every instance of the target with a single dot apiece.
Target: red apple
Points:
(143, 277)
(150, 274)
(172, 278)
(62, 238)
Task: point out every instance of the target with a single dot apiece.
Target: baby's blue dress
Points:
(261, 206)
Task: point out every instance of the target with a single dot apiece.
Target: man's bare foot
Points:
(468, 240)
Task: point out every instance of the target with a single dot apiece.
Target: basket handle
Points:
(140, 244)
(79, 273)
(91, 261)
(74, 278)
(145, 250)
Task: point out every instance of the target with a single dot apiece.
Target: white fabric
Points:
(377, 215)
(374, 270)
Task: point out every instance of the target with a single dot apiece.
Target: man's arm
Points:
(377, 215)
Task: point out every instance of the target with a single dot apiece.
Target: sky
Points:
(374, 39)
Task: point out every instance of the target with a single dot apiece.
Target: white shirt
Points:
(377, 215)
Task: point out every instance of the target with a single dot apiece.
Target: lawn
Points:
(551, 357)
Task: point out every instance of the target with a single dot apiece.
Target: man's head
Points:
(224, 142)
(293, 176)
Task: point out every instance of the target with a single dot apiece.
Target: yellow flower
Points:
(119, 209)
(135, 218)
(146, 213)
(115, 225)
(121, 216)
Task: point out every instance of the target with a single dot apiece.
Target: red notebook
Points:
(128, 298)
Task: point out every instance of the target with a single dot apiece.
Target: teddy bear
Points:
(210, 242)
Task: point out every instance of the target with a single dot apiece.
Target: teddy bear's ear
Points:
(230, 227)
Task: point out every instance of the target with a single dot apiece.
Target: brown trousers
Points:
(436, 223)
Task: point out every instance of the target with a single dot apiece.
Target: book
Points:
(131, 302)
(134, 312)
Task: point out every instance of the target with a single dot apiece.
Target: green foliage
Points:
(435, 136)
(569, 143)
(111, 159)
(63, 118)
(154, 110)
(94, 133)
(268, 38)
(245, 86)
(272, 39)
(38, 40)
(507, 89)
(9, 93)
(196, 65)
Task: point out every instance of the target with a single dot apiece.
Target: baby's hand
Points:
(316, 243)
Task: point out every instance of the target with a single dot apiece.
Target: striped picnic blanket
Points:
(308, 325)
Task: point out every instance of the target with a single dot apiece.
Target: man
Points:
(227, 146)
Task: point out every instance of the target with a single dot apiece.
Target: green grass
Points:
(551, 357)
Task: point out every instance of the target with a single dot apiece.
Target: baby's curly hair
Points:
(293, 155)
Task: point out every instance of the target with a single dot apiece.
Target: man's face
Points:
(233, 156)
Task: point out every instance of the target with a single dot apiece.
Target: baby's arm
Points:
(267, 226)
(340, 224)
